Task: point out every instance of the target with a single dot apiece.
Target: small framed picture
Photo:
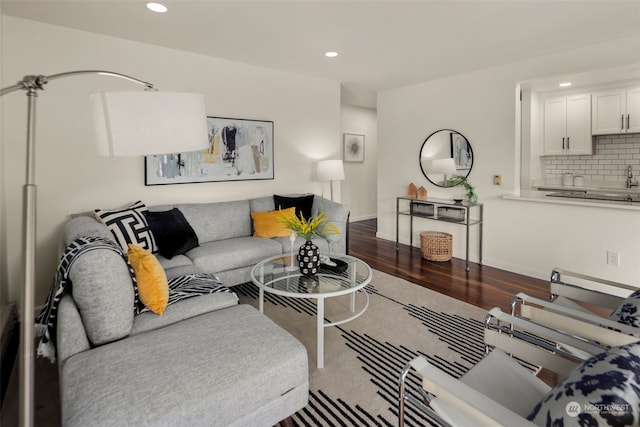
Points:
(353, 147)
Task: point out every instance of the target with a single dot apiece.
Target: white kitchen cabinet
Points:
(616, 111)
(633, 110)
(567, 125)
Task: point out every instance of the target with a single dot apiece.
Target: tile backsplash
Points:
(613, 154)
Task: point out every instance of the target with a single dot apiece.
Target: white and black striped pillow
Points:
(129, 225)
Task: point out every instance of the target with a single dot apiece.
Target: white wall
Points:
(359, 188)
(524, 237)
(70, 175)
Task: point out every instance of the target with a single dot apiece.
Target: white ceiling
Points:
(382, 44)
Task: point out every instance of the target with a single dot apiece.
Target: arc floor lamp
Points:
(126, 124)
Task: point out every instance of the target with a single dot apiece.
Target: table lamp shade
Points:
(149, 122)
(445, 166)
(330, 170)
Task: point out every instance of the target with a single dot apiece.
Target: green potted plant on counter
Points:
(454, 181)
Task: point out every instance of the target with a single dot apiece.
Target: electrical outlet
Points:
(497, 179)
(613, 258)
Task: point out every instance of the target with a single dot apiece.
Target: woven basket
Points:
(436, 246)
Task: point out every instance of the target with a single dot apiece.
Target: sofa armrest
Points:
(338, 215)
(83, 226)
(70, 333)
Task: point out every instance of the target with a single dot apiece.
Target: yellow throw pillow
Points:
(268, 224)
(153, 286)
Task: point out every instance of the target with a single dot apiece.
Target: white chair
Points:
(578, 306)
(497, 391)
(567, 287)
(561, 335)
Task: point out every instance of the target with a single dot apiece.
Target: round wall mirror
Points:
(445, 153)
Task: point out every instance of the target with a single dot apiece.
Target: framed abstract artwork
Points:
(461, 151)
(239, 150)
(353, 147)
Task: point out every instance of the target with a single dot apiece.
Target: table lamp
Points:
(330, 170)
(443, 166)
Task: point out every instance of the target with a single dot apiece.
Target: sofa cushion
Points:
(176, 261)
(262, 204)
(153, 286)
(104, 295)
(303, 204)
(218, 221)
(209, 370)
(211, 296)
(233, 253)
(172, 232)
(129, 225)
(269, 224)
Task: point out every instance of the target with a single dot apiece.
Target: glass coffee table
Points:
(277, 275)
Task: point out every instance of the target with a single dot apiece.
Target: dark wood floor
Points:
(482, 286)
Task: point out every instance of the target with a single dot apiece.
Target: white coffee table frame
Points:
(290, 283)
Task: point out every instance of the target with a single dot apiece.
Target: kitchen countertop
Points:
(541, 197)
(595, 189)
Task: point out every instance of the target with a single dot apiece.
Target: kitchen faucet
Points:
(630, 182)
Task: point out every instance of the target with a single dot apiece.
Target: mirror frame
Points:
(425, 143)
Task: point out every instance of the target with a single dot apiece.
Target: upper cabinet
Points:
(567, 125)
(616, 111)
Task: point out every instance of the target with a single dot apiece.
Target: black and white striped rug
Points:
(364, 357)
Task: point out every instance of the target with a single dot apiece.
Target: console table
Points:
(440, 210)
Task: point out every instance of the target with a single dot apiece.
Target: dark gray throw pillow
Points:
(303, 204)
(173, 233)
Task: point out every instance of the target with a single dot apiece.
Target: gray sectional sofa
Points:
(224, 229)
(207, 361)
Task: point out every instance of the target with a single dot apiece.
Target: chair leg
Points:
(402, 390)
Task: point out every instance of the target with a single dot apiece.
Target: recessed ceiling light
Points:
(157, 7)
(331, 54)
(565, 84)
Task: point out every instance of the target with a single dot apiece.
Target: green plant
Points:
(456, 180)
(316, 226)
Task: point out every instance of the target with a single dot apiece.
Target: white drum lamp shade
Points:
(444, 166)
(330, 170)
(143, 123)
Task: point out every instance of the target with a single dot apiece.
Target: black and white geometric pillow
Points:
(129, 225)
(602, 391)
(629, 311)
